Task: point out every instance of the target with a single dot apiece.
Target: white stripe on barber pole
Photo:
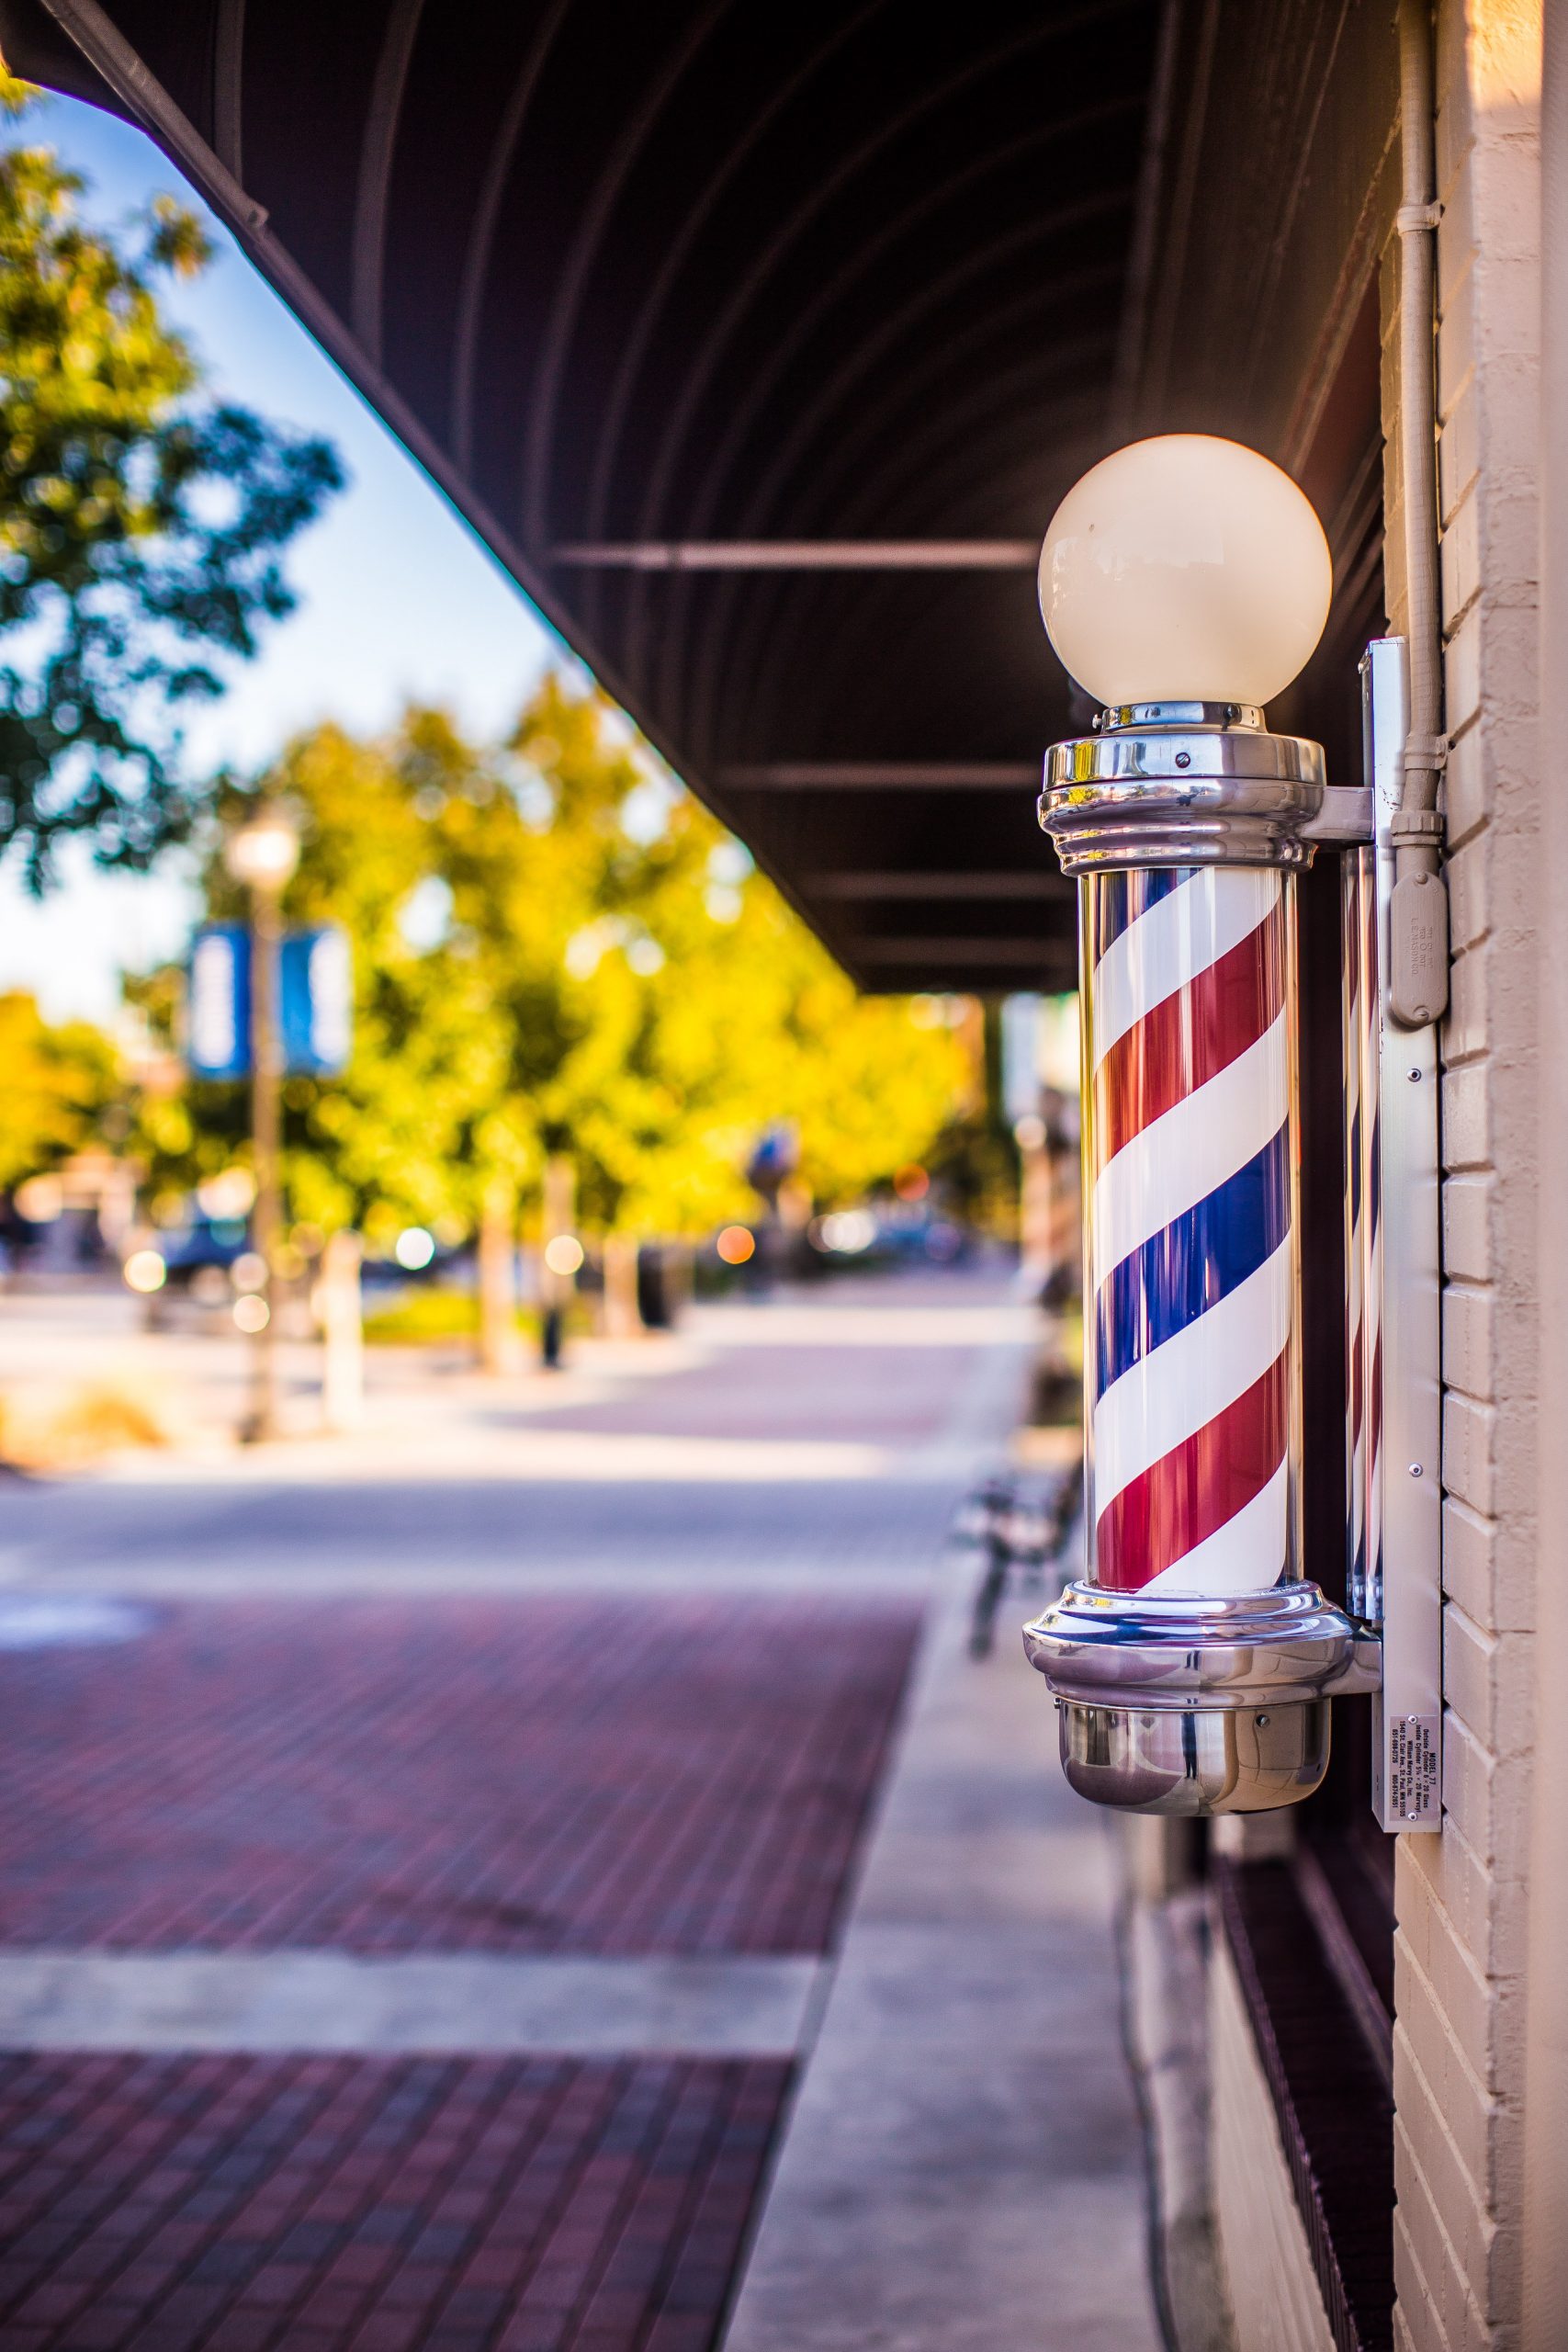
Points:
(1184, 932)
(1170, 1394)
(1182, 1158)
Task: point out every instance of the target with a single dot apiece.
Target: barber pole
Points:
(1188, 1013)
(1192, 1664)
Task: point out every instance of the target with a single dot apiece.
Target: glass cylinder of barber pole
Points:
(1190, 1340)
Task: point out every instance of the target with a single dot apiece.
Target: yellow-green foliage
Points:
(612, 980)
(140, 527)
(55, 1084)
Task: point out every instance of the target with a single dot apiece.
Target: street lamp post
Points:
(262, 855)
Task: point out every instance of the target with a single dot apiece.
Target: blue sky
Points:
(397, 599)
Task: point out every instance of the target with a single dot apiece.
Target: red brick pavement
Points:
(234, 2204)
(674, 1776)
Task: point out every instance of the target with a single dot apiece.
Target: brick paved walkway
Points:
(363, 2205)
(401, 1710)
(546, 1776)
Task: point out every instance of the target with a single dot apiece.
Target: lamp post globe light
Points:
(261, 854)
(1184, 581)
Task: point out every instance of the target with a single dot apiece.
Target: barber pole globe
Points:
(1191, 1341)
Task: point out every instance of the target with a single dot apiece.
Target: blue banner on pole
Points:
(315, 1008)
(317, 1002)
(217, 1027)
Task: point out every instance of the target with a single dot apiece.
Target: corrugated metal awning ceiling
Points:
(632, 279)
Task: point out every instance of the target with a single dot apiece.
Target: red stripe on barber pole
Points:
(1191, 1036)
(1183, 1497)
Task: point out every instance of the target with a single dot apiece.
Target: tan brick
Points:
(1469, 897)
(1509, 651)
(1427, 2276)
(1454, 134)
(1485, 1800)
(1447, 1997)
(1445, 1874)
(1468, 1559)
(1508, 544)
(1434, 2032)
(1466, 1123)
(1455, 353)
(1467, 1211)
(1465, 1031)
(1487, 1680)
(1469, 1438)
(1465, 779)
(1492, 1576)
(1451, 2124)
(1459, 453)
(1460, 556)
(1461, 690)
(1467, 1340)
(1456, 243)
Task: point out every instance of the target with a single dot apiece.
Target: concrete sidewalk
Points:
(964, 2168)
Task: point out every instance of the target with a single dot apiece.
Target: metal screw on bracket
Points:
(1184, 759)
(1416, 1469)
(1414, 1076)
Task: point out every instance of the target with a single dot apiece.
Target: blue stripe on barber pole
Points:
(1195, 1260)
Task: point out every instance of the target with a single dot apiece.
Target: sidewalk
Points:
(963, 2170)
(430, 1859)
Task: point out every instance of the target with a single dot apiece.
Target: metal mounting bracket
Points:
(1395, 1298)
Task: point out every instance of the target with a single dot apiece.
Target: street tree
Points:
(557, 950)
(59, 1083)
(141, 526)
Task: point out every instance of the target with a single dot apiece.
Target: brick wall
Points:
(1460, 1897)
(1269, 2283)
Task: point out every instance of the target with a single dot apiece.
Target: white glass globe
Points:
(1185, 568)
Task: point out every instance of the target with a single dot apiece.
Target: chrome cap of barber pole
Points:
(1182, 783)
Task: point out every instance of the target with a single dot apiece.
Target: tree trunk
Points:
(556, 1285)
(498, 1350)
(342, 1333)
(623, 1316)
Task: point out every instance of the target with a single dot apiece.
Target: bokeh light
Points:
(911, 1184)
(250, 1313)
(563, 1253)
(847, 1232)
(413, 1249)
(40, 1200)
(736, 1245)
(145, 1271)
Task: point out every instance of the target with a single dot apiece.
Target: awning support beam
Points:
(800, 555)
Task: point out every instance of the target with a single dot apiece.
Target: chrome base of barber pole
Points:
(1193, 1763)
(1185, 1705)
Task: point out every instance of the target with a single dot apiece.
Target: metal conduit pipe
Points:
(1418, 916)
